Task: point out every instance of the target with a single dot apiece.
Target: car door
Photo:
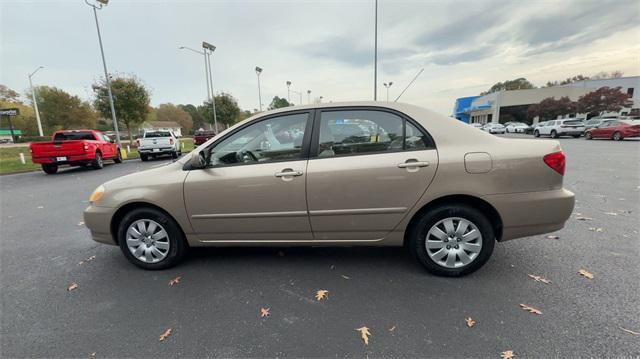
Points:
(253, 188)
(367, 168)
(109, 147)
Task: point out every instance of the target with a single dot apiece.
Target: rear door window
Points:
(157, 134)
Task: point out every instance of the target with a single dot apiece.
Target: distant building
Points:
(163, 126)
(505, 106)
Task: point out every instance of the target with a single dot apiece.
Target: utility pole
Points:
(289, 92)
(375, 57)
(387, 85)
(309, 97)
(207, 46)
(35, 103)
(258, 72)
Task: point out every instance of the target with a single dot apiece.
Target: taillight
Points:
(556, 161)
(86, 147)
(171, 141)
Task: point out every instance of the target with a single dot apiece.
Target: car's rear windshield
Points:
(79, 135)
(573, 122)
(157, 134)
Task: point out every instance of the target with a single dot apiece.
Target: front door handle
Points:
(287, 172)
(413, 163)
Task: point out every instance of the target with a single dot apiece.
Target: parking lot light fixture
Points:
(206, 70)
(309, 97)
(289, 92)
(387, 85)
(258, 72)
(35, 103)
(208, 50)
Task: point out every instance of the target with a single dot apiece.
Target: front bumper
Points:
(528, 214)
(98, 220)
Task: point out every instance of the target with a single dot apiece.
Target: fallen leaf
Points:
(165, 335)
(538, 278)
(92, 355)
(611, 213)
(577, 214)
(40, 207)
(595, 229)
(264, 312)
(344, 276)
(470, 322)
(73, 286)
(322, 294)
(507, 354)
(584, 218)
(630, 331)
(87, 260)
(551, 236)
(585, 273)
(174, 281)
(392, 328)
(530, 309)
(364, 333)
(81, 223)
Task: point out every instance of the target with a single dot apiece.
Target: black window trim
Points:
(315, 139)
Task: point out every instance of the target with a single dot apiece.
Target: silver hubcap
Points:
(453, 242)
(148, 241)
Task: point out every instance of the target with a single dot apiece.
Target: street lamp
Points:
(299, 94)
(206, 71)
(288, 92)
(258, 72)
(309, 97)
(97, 7)
(207, 46)
(375, 57)
(387, 85)
(35, 103)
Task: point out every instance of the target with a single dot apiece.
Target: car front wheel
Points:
(151, 239)
(554, 134)
(97, 162)
(588, 136)
(452, 240)
(617, 136)
(536, 133)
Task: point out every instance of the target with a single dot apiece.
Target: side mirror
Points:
(199, 159)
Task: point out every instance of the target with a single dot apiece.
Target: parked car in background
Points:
(557, 128)
(346, 174)
(616, 130)
(516, 127)
(596, 121)
(74, 148)
(477, 125)
(200, 137)
(493, 127)
(158, 143)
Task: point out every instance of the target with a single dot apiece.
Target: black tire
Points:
(50, 168)
(174, 155)
(617, 136)
(418, 236)
(588, 135)
(177, 243)
(98, 162)
(554, 134)
(118, 158)
(536, 133)
(144, 157)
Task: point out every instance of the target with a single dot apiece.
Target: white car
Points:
(517, 127)
(557, 128)
(493, 127)
(477, 125)
(158, 143)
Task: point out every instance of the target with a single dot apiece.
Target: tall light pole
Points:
(207, 46)
(299, 94)
(258, 72)
(375, 57)
(97, 7)
(309, 97)
(206, 70)
(289, 92)
(35, 103)
(387, 85)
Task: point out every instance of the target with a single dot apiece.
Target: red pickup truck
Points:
(74, 148)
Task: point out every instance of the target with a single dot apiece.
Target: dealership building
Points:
(505, 106)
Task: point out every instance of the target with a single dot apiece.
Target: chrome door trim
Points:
(333, 212)
(251, 215)
(413, 164)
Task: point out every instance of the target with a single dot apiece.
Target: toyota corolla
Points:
(340, 174)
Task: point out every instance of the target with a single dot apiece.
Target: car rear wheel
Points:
(617, 136)
(536, 133)
(144, 157)
(151, 239)
(97, 162)
(118, 158)
(50, 168)
(554, 134)
(174, 155)
(588, 136)
(452, 240)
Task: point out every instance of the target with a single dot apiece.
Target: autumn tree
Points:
(59, 110)
(171, 112)
(278, 102)
(227, 110)
(197, 118)
(517, 84)
(130, 98)
(550, 108)
(604, 99)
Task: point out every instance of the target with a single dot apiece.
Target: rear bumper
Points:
(571, 132)
(160, 151)
(528, 214)
(70, 159)
(98, 220)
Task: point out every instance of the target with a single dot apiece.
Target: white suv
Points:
(557, 128)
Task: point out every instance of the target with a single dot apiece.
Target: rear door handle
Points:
(413, 163)
(288, 173)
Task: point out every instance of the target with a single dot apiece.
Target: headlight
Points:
(97, 194)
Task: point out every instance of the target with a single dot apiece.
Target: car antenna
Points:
(405, 89)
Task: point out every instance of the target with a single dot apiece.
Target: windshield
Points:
(76, 135)
(157, 134)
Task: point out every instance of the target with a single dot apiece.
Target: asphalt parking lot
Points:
(119, 310)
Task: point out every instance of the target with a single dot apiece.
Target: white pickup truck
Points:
(158, 143)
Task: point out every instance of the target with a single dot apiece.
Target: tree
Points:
(25, 121)
(517, 84)
(197, 118)
(7, 94)
(604, 99)
(227, 109)
(171, 112)
(567, 81)
(278, 102)
(550, 108)
(130, 98)
(60, 110)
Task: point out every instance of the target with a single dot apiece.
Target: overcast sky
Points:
(322, 46)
